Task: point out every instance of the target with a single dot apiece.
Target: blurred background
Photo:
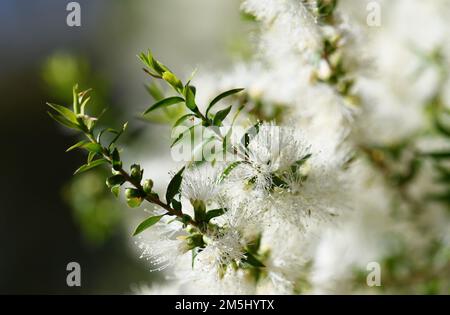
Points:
(49, 218)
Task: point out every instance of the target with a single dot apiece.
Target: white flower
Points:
(273, 149)
(200, 182)
(162, 244)
(223, 247)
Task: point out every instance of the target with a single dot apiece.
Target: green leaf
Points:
(84, 103)
(445, 130)
(65, 122)
(155, 91)
(147, 223)
(250, 134)
(182, 135)
(100, 134)
(165, 103)
(278, 182)
(190, 98)
(88, 121)
(76, 102)
(91, 165)
(176, 205)
(194, 252)
(172, 79)
(228, 170)
(299, 163)
(77, 145)
(116, 163)
(182, 119)
(93, 147)
(115, 190)
(152, 63)
(221, 115)
(221, 96)
(174, 186)
(124, 127)
(438, 155)
(91, 156)
(65, 112)
(253, 261)
(115, 180)
(214, 213)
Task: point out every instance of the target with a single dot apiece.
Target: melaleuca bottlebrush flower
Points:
(200, 182)
(163, 244)
(313, 195)
(293, 18)
(273, 149)
(223, 247)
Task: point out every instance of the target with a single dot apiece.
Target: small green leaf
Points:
(221, 96)
(182, 135)
(76, 102)
(228, 170)
(182, 119)
(93, 147)
(250, 134)
(115, 180)
(176, 205)
(77, 145)
(100, 134)
(115, 190)
(152, 63)
(214, 213)
(278, 182)
(118, 134)
(65, 112)
(174, 186)
(133, 193)
(116, 162)
(438, 155)
(147, 223)
(155, 91)
(299, 163)
(87, 121)
(65, 122)
(253, 261)
(221, 115)
(89, 166)
(194, 252)
(165, 103)
(91, 156)
(172, 79)
(190, 98)
(83, 104)
(441, 127)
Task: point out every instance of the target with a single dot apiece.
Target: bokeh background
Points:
(47, 217)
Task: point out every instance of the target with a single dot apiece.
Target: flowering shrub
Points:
(333, 154)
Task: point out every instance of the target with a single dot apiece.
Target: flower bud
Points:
(136, 172)
(147, 186)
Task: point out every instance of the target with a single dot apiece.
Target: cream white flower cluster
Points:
(339, 179)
